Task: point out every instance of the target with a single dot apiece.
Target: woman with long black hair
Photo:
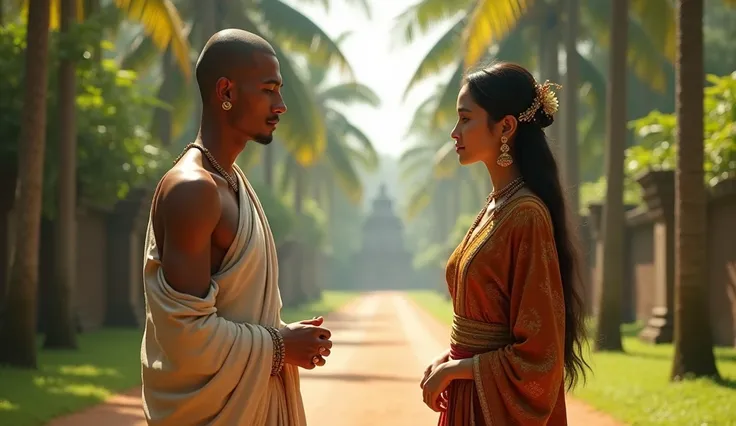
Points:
(518, 324)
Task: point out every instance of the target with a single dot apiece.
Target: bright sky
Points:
(381, 61)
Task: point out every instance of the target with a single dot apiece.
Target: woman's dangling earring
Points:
(227, 105)
(505, 160)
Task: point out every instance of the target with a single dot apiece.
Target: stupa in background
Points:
(383, 261)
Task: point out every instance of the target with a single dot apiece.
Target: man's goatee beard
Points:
(264, 139)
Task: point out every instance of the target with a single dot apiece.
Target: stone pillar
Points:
(658, 189)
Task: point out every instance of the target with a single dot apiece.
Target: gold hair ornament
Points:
(546, 98)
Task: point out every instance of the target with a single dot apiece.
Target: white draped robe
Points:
(207, 361)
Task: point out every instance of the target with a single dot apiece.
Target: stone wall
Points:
(108, 290)
(648, 290)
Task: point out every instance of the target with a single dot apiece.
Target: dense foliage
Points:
(656, 147)
(115, 149)
(656, 134)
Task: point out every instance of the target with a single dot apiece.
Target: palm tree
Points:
(18, 329)
(430, 167)
(517, 46)
(506, 25)
(294, 37)
(159, 19)
(163, 27)
(569, 157)
(693, 341)
(347, 150)
(611, 271)
(60, 329)
(347, 146)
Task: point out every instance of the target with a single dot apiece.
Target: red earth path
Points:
(382, 342)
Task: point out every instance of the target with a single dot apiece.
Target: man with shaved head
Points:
(215, 351)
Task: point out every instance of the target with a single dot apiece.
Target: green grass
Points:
(634, 387)
(107, 362)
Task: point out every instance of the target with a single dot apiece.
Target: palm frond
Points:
(324, 3)
(445, 109)
(344, 172)
(183, 104)
(295, 32)
(364, 149)
(139, 55)
(515, 46)
(446, 51)
(419, 150)
(445, 163)
(420, 121)
(657, 17)
(364, 5)
(162, 23)
(302, 128)
(419, 18)
(644, 57)
(350, 94)
(591, 76)
(646, 60)
(489, 23)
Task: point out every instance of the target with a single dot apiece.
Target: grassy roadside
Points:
(107, 362)
(634, 387)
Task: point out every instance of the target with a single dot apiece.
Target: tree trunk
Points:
(569, 142)
(60, 331)
(693, 338)
(611, 271)
(18, 332)
(551, 67)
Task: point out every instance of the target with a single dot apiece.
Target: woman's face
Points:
(475, 139)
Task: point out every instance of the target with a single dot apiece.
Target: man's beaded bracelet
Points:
(279, 350)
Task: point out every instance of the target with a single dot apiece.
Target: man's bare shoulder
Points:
(189, 194)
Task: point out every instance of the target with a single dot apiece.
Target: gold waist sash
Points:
(475, 335)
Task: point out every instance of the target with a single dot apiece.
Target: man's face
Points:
(256, 98)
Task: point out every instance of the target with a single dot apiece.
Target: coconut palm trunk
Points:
(18, 330)
(60, 329)
(693, 339)
(611, 272)
(569, 144)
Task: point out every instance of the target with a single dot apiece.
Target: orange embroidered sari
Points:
(509, 317)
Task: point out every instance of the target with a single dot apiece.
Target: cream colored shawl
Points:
(207, 361)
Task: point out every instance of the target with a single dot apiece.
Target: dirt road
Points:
(382, 342)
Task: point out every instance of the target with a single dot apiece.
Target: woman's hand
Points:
(441, 359)
(435, 386)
